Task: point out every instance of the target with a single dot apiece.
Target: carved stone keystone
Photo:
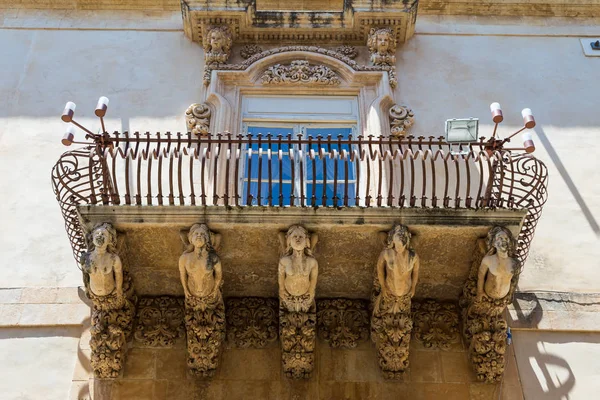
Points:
(109, 286)
(343, 323)
(487, 292)
(298, 271)
(395, 283)
(201, 277)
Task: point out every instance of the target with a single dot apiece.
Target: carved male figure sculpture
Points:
(396, 281)
(102, 268)
(217, 45)
(201, 276)
(497, 267)
(382, 46)
(298, 270)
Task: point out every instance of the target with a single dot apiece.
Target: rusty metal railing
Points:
(248, 171)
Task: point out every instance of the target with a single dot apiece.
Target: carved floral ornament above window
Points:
(300, 72)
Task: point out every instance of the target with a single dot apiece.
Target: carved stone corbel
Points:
(298, 271)
(395, 283)
(197, 119)
(202, 278)
(217, 44)
(109, 286)
(382, 46)
(401, 118)
(487, 292)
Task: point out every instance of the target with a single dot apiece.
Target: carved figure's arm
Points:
(183, 276)
(281, 279)
(314, 272)
(483, 269)
(218, 275)
(415, 275)
(381, 271)
(118, 268)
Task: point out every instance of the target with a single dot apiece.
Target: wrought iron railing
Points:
(285, 171)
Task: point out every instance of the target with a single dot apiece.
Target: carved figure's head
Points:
(219, 40)
(381, 41)
(399, 237)
(501, 241)
(103, 235)
(297, 238)
(199, 236)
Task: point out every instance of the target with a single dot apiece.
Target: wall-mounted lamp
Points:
(528, 123)
(462, 129)
(68, 114)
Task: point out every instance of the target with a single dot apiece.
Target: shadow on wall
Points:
(543, 375)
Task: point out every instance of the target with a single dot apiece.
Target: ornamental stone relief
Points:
(109, 286)
(382, 46)
(249, 50)
(395, 283)
(347, 51)
(486, 294)
(217, 45)
(343, 323)
(201, 277)
(159, 321)
(435, 324)
(298, 271)
(252, 321)
(401, 118)
(197, 119)
(300, 72)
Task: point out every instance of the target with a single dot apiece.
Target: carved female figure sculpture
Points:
(102, 268)
(298, 270)
(498, 266)
(397, 271)
(382, 46)
(217, 45)
(200, 268)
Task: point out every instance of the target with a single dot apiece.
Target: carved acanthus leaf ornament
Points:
(343, 322)
(300, 72)
(159, 321)
(252, 321)
(435, 324)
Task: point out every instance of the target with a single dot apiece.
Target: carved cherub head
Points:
(501, 241)
(297, 238)
(381, 41)
(218, 40)
(103, 235)
(398, 236)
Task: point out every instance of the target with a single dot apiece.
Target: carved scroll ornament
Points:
(109, 286)
(300, 72)
(197, 119)
(343, 323)
(201, 277)
(401, 118)
(487, 292)
(298, 271)
(395, 283)
(435, 324)
(159, 321)
(252, 321)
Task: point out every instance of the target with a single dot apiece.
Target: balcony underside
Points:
(350, 240)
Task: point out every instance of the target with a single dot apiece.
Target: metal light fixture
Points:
(68, 114)
(462, 130)
(528, 123)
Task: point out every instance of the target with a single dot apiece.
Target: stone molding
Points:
(343, 323)
(351, 25)
(506, 8)
(252, 322)
(159, 321)
(300, 72)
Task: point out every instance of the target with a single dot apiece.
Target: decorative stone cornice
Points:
(250, 24)
(300, 72)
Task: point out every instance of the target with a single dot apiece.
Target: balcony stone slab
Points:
(350, 241)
